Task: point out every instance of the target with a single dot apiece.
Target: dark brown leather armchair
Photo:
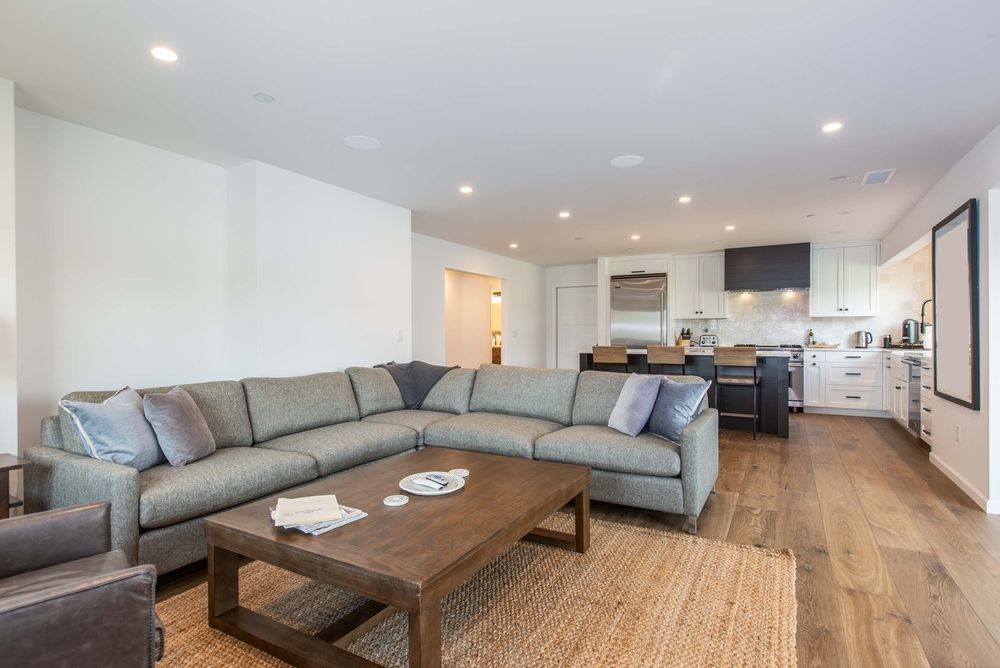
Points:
(67, 599)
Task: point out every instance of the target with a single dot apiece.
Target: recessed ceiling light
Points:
(634, 237)
(564, 214)
(627, 161)
(684, 199)
(730, 228)
(842, 177)
(832, 126)
(263, 98)
(465, 190)
(716, 242)
(362, 142)
(513, 245)
(166, 54)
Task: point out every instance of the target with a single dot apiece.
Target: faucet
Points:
(923, 322)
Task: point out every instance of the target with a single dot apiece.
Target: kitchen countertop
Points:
(698, 351)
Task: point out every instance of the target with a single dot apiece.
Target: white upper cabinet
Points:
(844, 281)
(638, 266)
(699, 286)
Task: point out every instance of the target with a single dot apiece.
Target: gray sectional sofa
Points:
(275, 433)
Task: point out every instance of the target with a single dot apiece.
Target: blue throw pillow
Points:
(635, 403)
(675, 406)
(116, 430)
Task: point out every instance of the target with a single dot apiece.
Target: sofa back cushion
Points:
(282, 406)
(375, 391)
(546, 394)
(221, 402)
(597, 392)
(452, 393)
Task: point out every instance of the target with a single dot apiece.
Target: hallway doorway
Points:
(472, 308)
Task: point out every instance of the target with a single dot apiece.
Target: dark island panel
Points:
(773, 372)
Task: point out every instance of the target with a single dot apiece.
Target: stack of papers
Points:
(313, 514)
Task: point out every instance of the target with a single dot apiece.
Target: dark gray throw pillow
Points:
(179, 425)
(635, 403)
(116, 430)
(676, 405)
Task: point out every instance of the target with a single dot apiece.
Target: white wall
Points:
(332, 275)
(522, 308)
(143, 267)
(567, 276)
(972, 459)
(121, 254)
(8, 276)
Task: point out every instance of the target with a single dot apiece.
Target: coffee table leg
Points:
(581, 505)
(425, 637)
(223, 582)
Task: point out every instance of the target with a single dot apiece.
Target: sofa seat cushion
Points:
(417, 420)
(227, 477)
(341, 446)
(489, 432)
(604, 448)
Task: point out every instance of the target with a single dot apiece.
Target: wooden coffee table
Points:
(402, 558)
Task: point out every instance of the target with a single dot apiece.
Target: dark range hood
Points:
(767, 267)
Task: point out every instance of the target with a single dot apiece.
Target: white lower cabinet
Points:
(814, 384)
(844, 379)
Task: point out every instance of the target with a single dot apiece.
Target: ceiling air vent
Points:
(877, 177)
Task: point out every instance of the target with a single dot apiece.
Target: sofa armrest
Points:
(58, 479)
(699, 460)
(39, 540)
(57, 624)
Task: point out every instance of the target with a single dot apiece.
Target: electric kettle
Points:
(862, 339)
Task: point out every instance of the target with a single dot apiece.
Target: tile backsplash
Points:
(783, 316)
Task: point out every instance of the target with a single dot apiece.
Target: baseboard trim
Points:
(990, 506)
(850, 412)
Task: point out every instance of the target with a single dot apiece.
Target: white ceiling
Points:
(528, 101)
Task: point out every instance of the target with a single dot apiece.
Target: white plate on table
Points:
(455, 483)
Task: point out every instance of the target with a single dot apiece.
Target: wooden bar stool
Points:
(742, 357)
(665, 356)
(611, 355)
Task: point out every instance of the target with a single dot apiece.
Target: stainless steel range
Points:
(796, 380)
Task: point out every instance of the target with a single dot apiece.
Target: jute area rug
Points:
(638, 597)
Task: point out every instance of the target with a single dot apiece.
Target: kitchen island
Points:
(772, 367)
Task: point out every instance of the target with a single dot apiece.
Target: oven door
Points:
(796, 385)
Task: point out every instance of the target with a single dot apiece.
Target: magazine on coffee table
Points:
(348, 515)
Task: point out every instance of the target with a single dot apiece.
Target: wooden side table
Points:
(9, 463)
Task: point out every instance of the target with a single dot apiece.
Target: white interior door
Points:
(576, 324)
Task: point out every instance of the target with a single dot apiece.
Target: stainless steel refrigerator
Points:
(639, 310)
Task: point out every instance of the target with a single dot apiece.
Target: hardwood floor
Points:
(896, 566)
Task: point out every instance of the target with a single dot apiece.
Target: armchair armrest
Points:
(57, 624)
(699, 460)
(58, 479)
(30, 542)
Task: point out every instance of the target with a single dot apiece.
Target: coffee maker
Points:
(911, 331)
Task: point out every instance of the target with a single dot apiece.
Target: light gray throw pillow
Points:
(116, 430)
(635, 403)
(676, 405)
(180, 427)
